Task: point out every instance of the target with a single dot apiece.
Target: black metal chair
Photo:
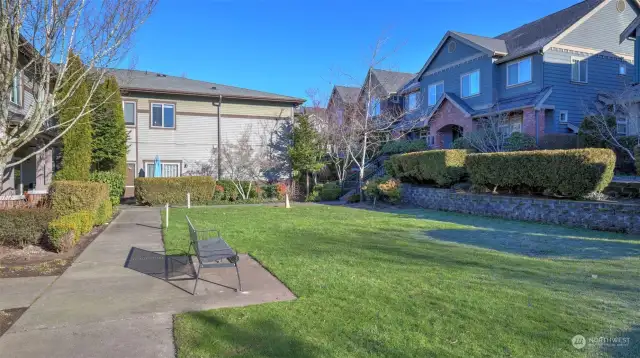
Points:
(211, 251)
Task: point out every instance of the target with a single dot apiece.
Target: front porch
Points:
(31, 177)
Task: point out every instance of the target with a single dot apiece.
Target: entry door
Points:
(131, 175)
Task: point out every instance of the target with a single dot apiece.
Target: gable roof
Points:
(392, 81)
(348, 94)
(146, 81)
(497, 46)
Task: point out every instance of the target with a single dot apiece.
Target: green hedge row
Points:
(404, 146)
(65, 231)
(158, 191)
(21, 227)
(68, 197)
(442, 167)
(637, 155)
(572, 173)
(115, 182)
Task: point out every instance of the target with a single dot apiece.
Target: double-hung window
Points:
(411, 101)
(470, 84)
(374, 107)
(163, 115)
(519, 72)
(129, 109)
(167, 170)
(622, 127)
(579, 70)
(436, 91)
(16, 90)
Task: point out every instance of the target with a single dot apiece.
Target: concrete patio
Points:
(118, 297)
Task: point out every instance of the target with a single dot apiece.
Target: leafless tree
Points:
(242, 162)
(36, 39)
(491, 133)
(208, 167)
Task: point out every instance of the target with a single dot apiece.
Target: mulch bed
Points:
(8, 317)
(39, 262)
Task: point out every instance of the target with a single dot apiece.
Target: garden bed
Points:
(9, 317)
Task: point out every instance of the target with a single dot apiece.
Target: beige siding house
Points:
(180, 120)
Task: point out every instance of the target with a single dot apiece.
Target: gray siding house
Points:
(183, 121)
(545, 74)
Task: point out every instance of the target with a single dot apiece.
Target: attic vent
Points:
(214, 87)
(161, 75)
(621, 5)
(452, 46)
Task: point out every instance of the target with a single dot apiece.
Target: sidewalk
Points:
(100, 308)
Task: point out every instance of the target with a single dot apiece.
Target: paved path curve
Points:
(100, 308)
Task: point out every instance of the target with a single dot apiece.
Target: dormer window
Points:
(16, 90)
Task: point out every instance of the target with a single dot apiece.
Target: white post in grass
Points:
(188, 200)
(286, 201)
(166, 215)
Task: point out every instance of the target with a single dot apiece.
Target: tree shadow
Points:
(627, 346)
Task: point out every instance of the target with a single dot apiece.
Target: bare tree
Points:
(208, 167)
(37, 38)
(242, 162)
(491, 133)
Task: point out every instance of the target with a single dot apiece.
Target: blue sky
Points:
(288, 47)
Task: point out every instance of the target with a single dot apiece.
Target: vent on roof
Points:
(452, 46)
(214, 88)
(161, 75)
(621, 5)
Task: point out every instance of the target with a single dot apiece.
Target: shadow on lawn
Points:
(256, 337)
(632, 349)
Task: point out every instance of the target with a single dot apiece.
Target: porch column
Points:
(44, 168)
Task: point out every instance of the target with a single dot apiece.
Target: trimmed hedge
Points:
(68, 197)
(330, 191)
(21, 227)
(573, 173)
(64, 232)
(404, 146)
(637, 155)
(104, 213)
(443, 167)
(114, 180)
(159, 191)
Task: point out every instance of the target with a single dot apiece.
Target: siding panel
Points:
(444, 58)
(536, 84)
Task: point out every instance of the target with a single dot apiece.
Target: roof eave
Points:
(213, 95)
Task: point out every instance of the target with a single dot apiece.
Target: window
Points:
(16, 90)
(622, 69)
(163, 115)
(423, 133)
(340, 115)
(519, 72)
(167, 170)
(564, 116)
(470, 84)
(579, 69)
(129, 109)
(621, 126)
(436, 91)
(411, 101)
(374, 107)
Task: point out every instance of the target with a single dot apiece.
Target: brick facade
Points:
(529, 122)
(448, 114)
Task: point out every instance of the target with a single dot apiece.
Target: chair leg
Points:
(197, 277)
(238, 273)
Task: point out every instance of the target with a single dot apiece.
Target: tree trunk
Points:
(307, 184)
(362, 164)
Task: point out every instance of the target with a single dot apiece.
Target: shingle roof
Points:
(392, 81)
(348, 94)
(517, 102)
(535, 35)
(147, 81)
(494, 45)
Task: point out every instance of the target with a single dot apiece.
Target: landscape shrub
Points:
(270, 191)
(21, 227)
(443, 167)
(354, 198)
(404, 146)
(159, 191)
(559, 141)
(384, 188)
(230, 192)
(69, 197)
(461, 143)
(104, 212)
(330, 191)
(519, 141)
(573, 173)
(114, 180)
(637, 155)
(388, 168)
(314, 195)
(64, 232)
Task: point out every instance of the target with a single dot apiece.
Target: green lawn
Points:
(417, 283)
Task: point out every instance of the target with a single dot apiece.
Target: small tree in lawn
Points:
(109, 130)
(77, 140)
(241, 163)
(306, 151)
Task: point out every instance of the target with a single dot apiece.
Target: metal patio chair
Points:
(211, 250)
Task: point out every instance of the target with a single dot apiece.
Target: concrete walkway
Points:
(100, 308)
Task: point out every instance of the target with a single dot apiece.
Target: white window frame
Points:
(435, 86)
(162, 165)
(586, 76)
(407, 104)
(163, 105)
(423, 133)
(16, 85)
(462, 85)
(135, 113)
(431, 140)
(518, 62)
(624, 122)
(566, 116)
(622, 69)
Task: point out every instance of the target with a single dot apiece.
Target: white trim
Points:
(574, 25)
(588, 52)
(566, 114)
(135, 112)
(434, 84)
(586, 77)
(626, 126)
(540, 104)
(454, 64)
(162, 106)
(479, 86)
(517, 62)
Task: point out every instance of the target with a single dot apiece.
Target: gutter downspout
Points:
(537, 126)
(219, 140)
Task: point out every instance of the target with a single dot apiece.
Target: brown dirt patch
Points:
(37, 261)
(8, 317)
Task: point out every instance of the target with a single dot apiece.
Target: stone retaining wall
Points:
(591, 215)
